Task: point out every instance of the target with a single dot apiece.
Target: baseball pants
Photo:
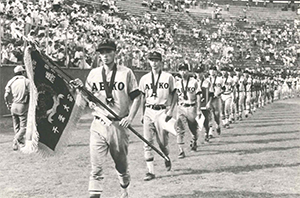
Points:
(216, 110)
(103, 139)
(241, 104)
(226, 106)
(152, 129)
(19, 117)
(186, 122)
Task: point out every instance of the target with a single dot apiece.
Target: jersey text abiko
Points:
(165, 86)
(192, 91)
(125, 84)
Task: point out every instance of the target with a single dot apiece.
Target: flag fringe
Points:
(32, 135)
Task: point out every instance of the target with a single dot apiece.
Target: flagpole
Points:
(1, 32)
(93, 98)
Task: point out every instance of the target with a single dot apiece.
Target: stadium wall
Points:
(6, 73)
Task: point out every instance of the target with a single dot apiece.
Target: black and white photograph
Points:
(149, 99)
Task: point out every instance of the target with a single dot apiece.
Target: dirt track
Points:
(257, 157)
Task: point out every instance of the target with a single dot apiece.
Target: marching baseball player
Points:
(248, 92)
(159, 98)
(216, 83)
(234, 103)
(206, 95)
(226, 96)
(256, 88)
(115, 86)
(18, 87)
(240, 93)
(263, 89)
(188, 94)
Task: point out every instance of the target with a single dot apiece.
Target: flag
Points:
(52, 112)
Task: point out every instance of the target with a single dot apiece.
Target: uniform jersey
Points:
(18, 86)
(216, 83)
(263, 84)
(249, 84)
(228, 85)
(206, 90)
(235, 82)
(192, 91)
(256, 84)
(289, 82)
(165, 86)
(241, 84)
(125, 84)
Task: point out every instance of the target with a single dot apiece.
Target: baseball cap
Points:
(107, 44)
(224, 69)
(199, 69)
(183, 66)
(213, 68)
(155, 55)
(18, 69)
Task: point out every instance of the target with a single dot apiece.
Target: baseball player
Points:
(216, 83)
(188, 94)
(234, 104)
(18, 87)
(256, 89)
(298, 85)
(158, 100)
(263, 90)
(226, 96)
(117, 87)
(206, 95)
(248, 92)
(240, 93)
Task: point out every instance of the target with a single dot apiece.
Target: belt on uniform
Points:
(156, 107)
(111, 119)
(188, 105)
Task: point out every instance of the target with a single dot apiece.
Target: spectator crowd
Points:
(69, 31)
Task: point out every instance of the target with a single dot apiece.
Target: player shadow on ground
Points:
(246, 125)
(266, 141)
(202, 152)
(228, 169)
(275, 120)
(232, 194)
(259, 134)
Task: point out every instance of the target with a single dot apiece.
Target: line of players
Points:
(227, 95)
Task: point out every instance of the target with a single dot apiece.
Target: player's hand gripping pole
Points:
(94, 99)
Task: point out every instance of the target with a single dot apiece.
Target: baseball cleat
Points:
(95, 195)
(124, 194)
(149, 176)
(206, 139)
(193, 145)
(219, 131)
(15, 145)
(168, 164)
(181, 155)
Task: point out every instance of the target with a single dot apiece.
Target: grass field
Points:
(258, 158)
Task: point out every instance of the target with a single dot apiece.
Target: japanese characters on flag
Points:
(52, 112)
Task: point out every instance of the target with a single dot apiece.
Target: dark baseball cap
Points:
(183, 66)
(213, 68)
(199, 69)
(107, 44)
(224, 69)
(155, 55)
